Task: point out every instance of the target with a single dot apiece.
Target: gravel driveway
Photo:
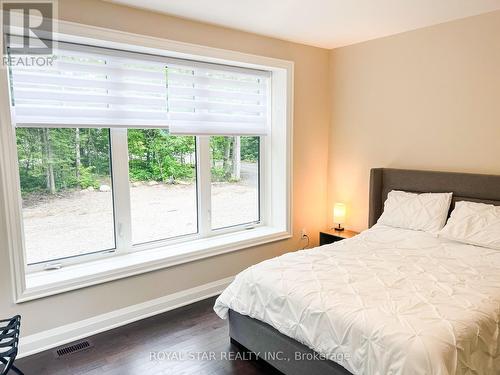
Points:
(82, 221)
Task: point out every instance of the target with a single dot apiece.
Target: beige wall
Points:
(425, 99)
(311, 131)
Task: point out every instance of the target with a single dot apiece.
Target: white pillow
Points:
(475, 224)
(426, 212)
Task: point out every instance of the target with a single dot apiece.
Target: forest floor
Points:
(82, 221)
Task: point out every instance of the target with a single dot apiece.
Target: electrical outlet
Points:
(303, 233)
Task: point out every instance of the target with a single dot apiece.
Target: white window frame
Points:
(122, 209)
(275, 174)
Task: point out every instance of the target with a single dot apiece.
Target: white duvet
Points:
(388, 301)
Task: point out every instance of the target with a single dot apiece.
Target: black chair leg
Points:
(16, 370)
(6, 366)
(12, 367)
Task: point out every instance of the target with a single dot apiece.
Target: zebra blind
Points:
(89, 86)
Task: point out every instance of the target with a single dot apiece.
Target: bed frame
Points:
(258, 337)
(481, 188)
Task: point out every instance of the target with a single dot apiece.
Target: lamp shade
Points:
(339, 213)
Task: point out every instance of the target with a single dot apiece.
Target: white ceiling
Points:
(321, 23)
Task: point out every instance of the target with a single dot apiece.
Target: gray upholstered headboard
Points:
(464, 186)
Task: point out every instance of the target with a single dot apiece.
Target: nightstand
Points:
(332, 235)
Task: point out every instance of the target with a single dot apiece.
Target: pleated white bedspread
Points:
(390, 301)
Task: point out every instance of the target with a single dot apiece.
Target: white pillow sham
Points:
(426, 212)
(475, 224)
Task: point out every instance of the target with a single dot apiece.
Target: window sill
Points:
(46, 283)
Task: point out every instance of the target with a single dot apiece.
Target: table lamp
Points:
(339, 215)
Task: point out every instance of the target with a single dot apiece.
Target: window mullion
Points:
(121, 190)
(264, 181)
(204, 185)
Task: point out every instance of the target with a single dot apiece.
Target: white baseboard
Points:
(52, 338)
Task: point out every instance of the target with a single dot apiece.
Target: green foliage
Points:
(57, 159)
(219, 146)
(155, 155)
(223, 149)
(31, 171)
(219, 175)
(48, 158)
(250, 149)
(88, 178)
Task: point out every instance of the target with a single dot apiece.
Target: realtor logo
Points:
(28, 27)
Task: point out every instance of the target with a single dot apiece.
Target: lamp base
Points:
(339, 228)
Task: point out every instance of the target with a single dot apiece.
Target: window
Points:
(67, 193)
(162, 172)
(80, 197)
(235, 181)
(149, 172)
(69, 197)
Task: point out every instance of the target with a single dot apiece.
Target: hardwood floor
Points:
(163, 344)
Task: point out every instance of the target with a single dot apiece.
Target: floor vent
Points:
(73, 348)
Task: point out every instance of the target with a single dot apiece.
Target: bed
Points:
(388, 301)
